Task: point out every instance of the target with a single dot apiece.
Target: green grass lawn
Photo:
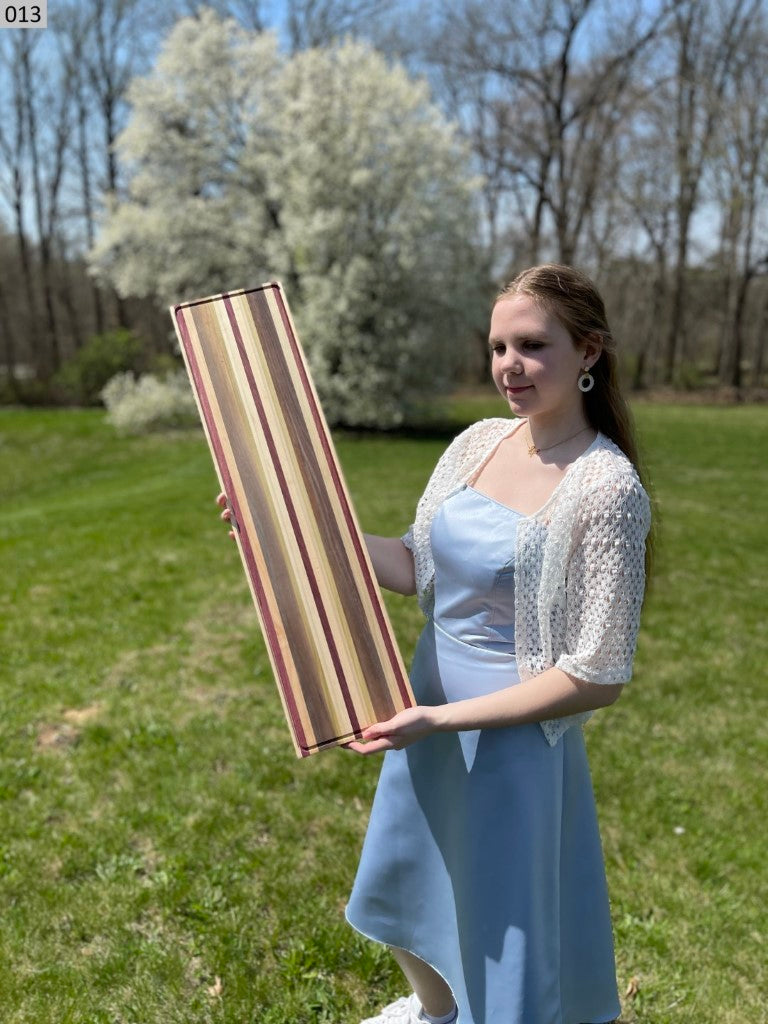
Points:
(163, 855)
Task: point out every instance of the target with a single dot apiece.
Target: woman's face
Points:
(534, 363)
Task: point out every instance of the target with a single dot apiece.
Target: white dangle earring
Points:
(586, 380)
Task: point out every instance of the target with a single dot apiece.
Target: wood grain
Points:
(330, 642)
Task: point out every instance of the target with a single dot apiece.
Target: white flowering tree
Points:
(196, 217)
(330, 170)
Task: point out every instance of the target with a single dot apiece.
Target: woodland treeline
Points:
(629, 138)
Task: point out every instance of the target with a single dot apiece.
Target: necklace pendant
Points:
(532, 450)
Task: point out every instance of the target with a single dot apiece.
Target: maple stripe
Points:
(320, 425)
(288, 604)
(294, 521)
(263, 606)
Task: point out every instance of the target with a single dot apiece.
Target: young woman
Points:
(482, 866)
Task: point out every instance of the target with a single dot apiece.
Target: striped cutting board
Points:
(330, 642)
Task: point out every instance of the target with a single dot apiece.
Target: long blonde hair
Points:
(574, 299)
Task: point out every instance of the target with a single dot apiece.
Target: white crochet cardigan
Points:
(579, 560)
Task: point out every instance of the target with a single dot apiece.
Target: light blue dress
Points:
(482, 854)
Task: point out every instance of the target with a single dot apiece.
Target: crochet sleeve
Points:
(606, 582)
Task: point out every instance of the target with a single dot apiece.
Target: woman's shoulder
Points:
(607, 460)
(610, 480)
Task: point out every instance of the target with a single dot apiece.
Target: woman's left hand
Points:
(405, 728)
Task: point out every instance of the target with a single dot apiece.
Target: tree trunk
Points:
(121, 311)
(646, 364)
(676, 329)
(16, 157)
(54, 346)
(728, 234)
(88, 213)
(760, 333)
(65, 296)
(9, 346)
(732, 368)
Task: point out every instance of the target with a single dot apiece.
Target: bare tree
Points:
(740, 173)
(14, 146)
(761, 332)
(548, 86)
(72, 40)
(116, 40)
(320, 22)
(248, 13)
(705, 36)
(10, 348)
(46, 107)
(641, 181)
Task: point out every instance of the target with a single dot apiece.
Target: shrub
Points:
(141, 405)
(82, 378)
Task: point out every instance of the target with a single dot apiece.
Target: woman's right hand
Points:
(226, 515)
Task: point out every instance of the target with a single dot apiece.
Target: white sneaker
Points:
(403, 1011)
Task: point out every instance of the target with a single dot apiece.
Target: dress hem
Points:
(612, 1019)
(407, 949)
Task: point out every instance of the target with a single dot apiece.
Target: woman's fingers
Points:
(375, 739)
(396, 733)
(371, 747)
(226, 515)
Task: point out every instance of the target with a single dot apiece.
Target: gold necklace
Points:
(533, 450)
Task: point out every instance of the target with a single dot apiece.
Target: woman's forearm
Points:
(553, 694)
(392, 563)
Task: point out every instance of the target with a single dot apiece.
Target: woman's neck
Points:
(545, 431)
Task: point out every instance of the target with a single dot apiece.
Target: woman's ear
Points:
(593, 347)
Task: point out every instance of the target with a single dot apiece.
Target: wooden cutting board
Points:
(330, 642)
